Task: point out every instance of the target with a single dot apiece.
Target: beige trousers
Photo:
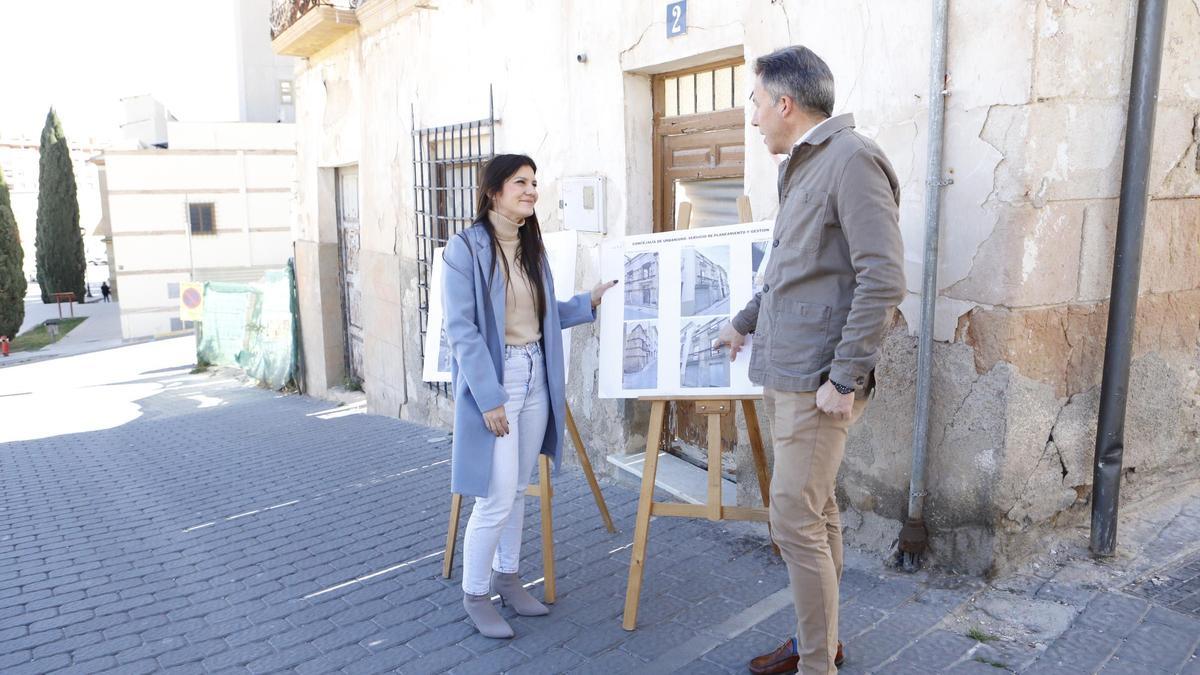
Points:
(805, 523)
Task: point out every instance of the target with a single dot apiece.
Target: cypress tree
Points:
(61, 263)
(12, 273)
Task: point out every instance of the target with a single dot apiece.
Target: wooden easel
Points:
(544, 492)
(712, 508)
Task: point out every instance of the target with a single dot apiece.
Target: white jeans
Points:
(493, 535)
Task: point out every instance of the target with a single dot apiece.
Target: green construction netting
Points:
(251, 326)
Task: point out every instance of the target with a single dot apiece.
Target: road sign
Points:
(191, 301)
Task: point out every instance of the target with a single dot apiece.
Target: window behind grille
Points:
(446, 165)
(200, 216)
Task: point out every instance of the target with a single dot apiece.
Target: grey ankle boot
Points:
(512, 592)
(485, 617)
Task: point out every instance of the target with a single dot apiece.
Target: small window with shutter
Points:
(200, 216)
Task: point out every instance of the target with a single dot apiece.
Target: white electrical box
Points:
(583, 203)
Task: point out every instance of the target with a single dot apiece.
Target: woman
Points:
(504, 328)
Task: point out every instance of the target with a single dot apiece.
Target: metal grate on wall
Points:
(446, 165)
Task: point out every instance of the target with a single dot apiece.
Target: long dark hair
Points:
(530, 250)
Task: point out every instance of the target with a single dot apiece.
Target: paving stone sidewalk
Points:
(232, 529)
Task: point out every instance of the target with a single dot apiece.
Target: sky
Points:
(83, 56)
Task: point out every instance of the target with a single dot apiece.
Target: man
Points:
(833, 278)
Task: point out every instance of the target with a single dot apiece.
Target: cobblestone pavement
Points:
(221, 527)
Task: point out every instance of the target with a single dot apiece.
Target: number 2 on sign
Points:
(677, 18)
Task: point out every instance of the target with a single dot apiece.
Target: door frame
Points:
(347, 352)
(665, 128)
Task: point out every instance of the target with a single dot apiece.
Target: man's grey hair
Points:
(798, 73)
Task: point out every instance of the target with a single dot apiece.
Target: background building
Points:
(1035, 120)
(203, 200)
(214, 206)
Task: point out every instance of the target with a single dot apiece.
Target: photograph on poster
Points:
(700, 365)
(758, 255)
(704, 280)
(641, 286)
(443, 351)
(436, 365)
(640, 361)
(682, 287)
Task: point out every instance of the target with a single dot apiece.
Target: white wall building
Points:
(214, 206)
(400, 101)
(264, 84)
(204, 200)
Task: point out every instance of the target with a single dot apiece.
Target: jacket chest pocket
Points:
(802, 216)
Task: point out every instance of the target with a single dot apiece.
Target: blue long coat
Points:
(475, 330)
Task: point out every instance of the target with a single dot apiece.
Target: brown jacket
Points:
(836, 269)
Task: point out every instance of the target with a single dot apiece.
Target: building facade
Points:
(409, 96)
(214, 206)
(704, 284)
(699, 364)
(641, 283)
(641, 347)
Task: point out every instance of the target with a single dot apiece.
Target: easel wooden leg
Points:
(587, 471)
(545, 494)
(760, 460)
(714, 466)
(451, 535)
(641, 531)
(756, 450)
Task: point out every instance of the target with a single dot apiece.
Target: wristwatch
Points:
(841, 388)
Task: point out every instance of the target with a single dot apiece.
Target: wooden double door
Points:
(699, 158)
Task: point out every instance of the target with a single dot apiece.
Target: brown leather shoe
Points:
(784, 660)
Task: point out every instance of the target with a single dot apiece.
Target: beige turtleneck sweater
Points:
(521, 323)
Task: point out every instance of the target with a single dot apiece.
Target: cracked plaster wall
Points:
(1034, 130)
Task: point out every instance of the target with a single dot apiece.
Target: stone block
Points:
(1158, 646)
(1175, 164)
(1031, 486)
(1171, 246)
(1064, 345)
(1072, 61)
(1057, 150)
(1031, 257)
(1180, 80)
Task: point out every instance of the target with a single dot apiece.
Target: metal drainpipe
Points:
(1127, 264)
(914, 536)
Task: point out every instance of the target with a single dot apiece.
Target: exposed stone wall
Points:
(1035, 129)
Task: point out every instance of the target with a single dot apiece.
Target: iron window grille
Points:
(200, 216)
(446, 165)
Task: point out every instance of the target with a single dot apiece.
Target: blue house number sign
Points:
(676, 18)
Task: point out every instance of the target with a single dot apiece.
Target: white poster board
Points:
(437, 350)
(561, 248)
(677, 290)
